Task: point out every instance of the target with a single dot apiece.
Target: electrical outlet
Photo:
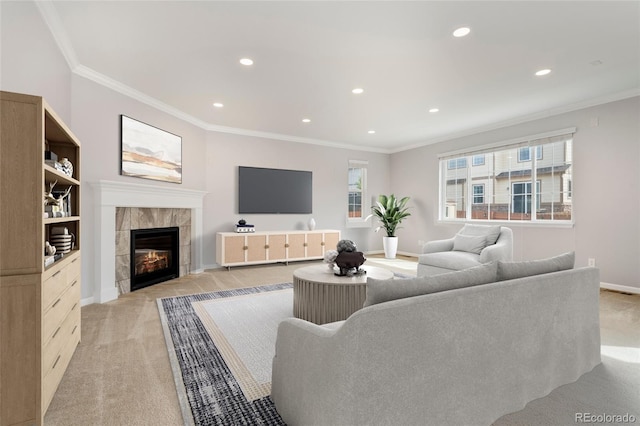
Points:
(591, 261)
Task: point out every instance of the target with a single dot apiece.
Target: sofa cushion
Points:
(513, 270)
(469, 243)
(379, 291)
(454, 260)
(490, 232)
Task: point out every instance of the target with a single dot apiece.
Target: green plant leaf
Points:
(391, 211)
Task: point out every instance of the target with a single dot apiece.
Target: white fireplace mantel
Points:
(110, 194)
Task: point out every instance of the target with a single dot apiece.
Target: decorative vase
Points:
(312, 224)
(390, 245)
(67, 166)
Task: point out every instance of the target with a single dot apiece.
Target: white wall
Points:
(606, 190)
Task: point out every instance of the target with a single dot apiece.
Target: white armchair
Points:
(473, 245)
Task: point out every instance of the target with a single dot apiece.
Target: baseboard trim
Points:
(86, 301)
(402, 253)
(621, 288)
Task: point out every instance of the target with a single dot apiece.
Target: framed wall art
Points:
(149, 152)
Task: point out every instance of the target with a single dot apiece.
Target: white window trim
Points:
(360, 222)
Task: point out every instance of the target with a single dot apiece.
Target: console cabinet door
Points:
(315, 247)
(297, 245)
(256, 248)
(277, 247)
(234, 249)
(331, 240)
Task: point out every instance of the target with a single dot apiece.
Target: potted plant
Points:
(390, 211)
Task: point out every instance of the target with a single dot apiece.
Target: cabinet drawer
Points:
(53, 376)
(52, 318)
(55, 285)
(69, 328)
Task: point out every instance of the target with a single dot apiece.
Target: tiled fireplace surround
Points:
(128, 218)
(121, 206)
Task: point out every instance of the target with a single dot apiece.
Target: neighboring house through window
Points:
(528, 179)
(357, 187)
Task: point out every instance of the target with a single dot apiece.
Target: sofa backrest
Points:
(379, 291)
(499, 345)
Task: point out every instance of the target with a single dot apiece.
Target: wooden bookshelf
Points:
(39, 306)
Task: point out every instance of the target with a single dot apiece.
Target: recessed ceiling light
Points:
(246, 61)
(461, 32)
(543, 72)
(357, 90)
(306, 120)
(218, 105)
(371, 132)
(434, 110)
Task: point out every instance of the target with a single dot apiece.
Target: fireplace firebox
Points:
(154, 256)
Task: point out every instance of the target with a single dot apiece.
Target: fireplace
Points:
(154, 256)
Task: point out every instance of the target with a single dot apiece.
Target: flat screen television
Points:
(262, 190)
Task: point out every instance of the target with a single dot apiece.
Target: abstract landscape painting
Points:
(149, 152)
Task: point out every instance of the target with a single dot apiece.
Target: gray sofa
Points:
(462, 252)
(464, 356)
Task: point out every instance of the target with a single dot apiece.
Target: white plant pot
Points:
(390, 245)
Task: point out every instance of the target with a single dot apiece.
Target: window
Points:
(508, 182)
(478, 194)
(458, 163)
(521, 197)
(356, 196)
(524, 154)
(477, 160)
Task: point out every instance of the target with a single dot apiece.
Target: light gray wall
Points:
(95, 112)
(31, 62)
(225, 152)
(605, 199)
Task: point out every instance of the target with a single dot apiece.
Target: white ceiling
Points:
(182, 56)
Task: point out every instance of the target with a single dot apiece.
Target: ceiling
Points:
(183, 56)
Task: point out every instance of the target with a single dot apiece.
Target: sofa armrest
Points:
(307, 357)
(436, 246)
(501, 250)
(495, 252)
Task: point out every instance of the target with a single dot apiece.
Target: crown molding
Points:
(123, 89)
(525, 118)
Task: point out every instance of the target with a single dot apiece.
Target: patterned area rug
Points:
(209, 392)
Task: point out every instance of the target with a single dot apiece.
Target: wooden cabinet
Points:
(234, 249)
(39, 305)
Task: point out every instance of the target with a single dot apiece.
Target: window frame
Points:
(528, 149)
(544, 170)
(474, 195)
(358, 222)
